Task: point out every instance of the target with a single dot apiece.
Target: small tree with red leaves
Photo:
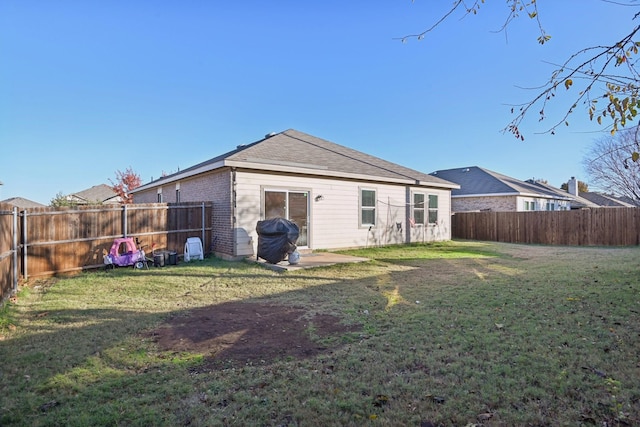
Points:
(125, 182)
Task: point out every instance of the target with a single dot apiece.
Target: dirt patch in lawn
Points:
(238, 333)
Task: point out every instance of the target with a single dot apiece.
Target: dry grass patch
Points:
(445, 334)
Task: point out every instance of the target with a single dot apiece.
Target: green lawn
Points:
(452, 334)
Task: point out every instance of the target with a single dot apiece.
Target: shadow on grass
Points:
(146, 362)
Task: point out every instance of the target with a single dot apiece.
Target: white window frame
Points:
(421, 210)
(529, 205)
(362, 209)
(431, 210)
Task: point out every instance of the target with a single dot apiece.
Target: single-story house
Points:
(608, 200)
(577, 201)
(98, 194)
(590, 199)
(22, 203)
(485, 190)
(339, 197)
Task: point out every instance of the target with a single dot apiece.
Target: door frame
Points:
(287, 190)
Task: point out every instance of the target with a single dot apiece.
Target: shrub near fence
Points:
(63, 240)
(585, 227)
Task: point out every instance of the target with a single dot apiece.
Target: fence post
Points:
(203, 226)
(124, 221)
(24, 245)
(14, 247)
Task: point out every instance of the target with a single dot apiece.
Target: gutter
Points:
(290, 168)
(538, 196)
(179, 176)
(335, 174)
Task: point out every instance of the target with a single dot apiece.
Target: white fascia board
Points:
(460, 196)
(180, 175)
(532, 195)
(441, 185)
(326, 173)
(544, 196)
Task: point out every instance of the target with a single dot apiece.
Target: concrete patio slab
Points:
(311, 260)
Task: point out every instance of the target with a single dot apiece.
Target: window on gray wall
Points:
(159, 197)
(418, 208)
(367, 207)
(433, 209)
(177, 196)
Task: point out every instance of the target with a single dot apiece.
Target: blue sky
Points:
(91, 87)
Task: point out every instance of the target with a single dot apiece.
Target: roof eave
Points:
(179, 175)
(517, 194)
(289, 169)
(334, 174)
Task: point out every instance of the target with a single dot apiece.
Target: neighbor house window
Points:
(159, 197)
(178, 196)
(433, 209)
(418, 208)
(367, 207)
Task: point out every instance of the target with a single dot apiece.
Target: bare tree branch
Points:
(592, 66)
(610, 164)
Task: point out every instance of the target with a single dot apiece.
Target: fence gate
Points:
(8, 251)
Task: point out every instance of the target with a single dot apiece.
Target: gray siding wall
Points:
(334, 220)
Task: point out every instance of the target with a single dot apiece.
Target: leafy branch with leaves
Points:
(604, 78)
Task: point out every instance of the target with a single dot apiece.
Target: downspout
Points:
(233, 212)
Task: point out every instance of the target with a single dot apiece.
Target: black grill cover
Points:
(276, 239)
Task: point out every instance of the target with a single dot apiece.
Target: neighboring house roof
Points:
(607, 200)
(23, 203)
(576, 202)
(628, 200)
(97, 194)
(475, 181)
(297, 152)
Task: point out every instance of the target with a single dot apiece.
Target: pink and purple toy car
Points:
(124, 252)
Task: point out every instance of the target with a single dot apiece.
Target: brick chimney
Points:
(572, 186)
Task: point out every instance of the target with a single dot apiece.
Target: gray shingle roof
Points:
(474, 180)
(293, 150)
(606, 200)
(23, 203)
(98, 193)
(576, 202)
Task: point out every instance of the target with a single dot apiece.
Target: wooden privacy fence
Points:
(585, 227)
(47, 241)
(8, 253)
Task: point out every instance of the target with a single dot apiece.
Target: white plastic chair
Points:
(193, 249)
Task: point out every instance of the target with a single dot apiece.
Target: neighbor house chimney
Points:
(572, 186)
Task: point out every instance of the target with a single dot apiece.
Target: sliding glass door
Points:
(291, 205)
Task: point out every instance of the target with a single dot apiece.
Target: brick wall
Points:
(496, 204)
(212, 187)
